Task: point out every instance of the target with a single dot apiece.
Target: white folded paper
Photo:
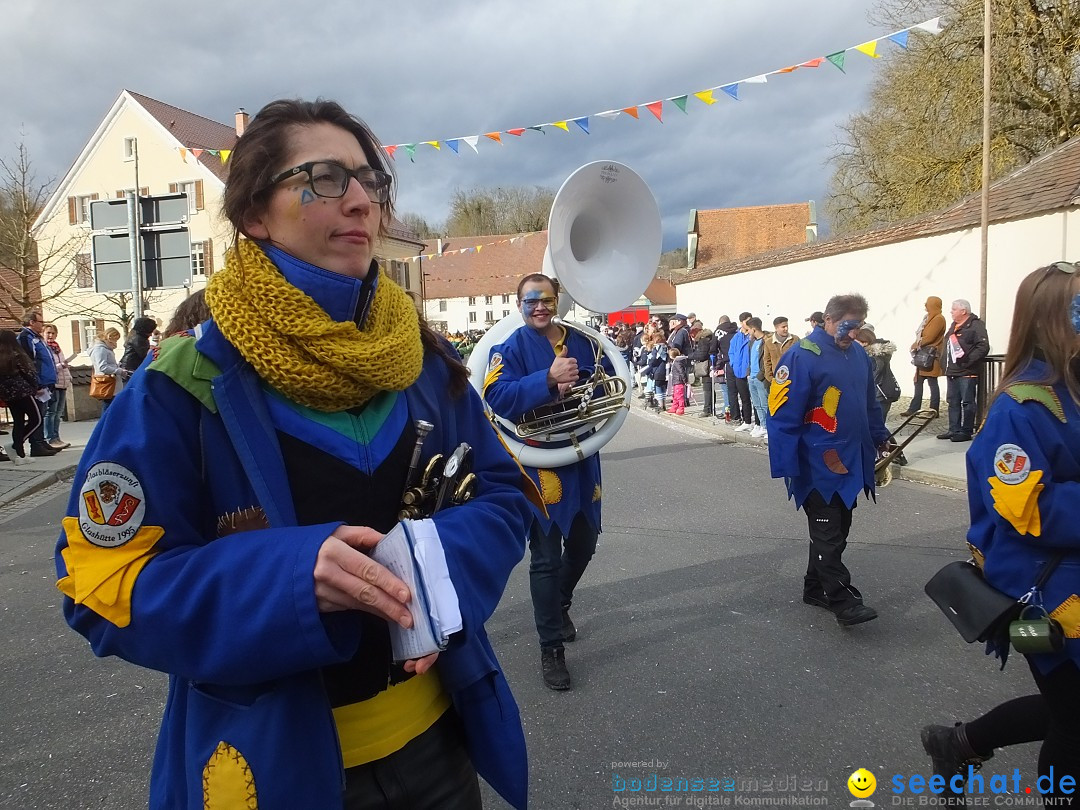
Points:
(413, 552)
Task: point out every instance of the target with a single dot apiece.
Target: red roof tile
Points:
(193, 131)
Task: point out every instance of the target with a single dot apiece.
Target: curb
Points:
(37, 483)
(728, 435)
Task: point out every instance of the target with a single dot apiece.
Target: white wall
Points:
(896, 280)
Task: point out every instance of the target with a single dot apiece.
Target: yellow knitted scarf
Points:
(299, 350)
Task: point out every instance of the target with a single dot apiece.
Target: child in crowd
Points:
(677, 377)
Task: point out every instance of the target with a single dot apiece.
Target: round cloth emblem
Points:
(111, 505)
(1011, 464)
(782, 374)
(496, 360)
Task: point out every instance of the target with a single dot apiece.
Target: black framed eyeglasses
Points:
(329, 179)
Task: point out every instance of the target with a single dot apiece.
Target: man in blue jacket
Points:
(738, 378)
(31, 341)
(824, 427)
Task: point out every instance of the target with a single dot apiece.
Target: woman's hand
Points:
(348, 579)
(421, 665)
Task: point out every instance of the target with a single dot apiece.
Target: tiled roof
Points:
(661, 291)
(1051, 182)
(193, 131)
(731, 233)
(493, 270)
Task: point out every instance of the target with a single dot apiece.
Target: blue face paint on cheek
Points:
(307, 197)
(845, 328)
(1074, 313)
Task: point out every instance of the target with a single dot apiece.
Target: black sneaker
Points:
(553, 666)
(855, 614)
(960, 437)
(42, 449)
(946, 435)
(949, 750)
(569, 632)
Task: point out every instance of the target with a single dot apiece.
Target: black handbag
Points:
(978, 610)
(924, 357)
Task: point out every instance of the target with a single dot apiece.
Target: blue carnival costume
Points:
(517, 382)
(185, 522)
(1023, 473)
(824, 427)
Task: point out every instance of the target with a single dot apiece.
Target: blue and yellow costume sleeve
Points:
(824, 420)
(1023, 472)
(516, 382)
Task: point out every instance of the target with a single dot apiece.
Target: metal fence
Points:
(989, 377)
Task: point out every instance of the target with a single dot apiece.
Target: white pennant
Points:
(472, 140)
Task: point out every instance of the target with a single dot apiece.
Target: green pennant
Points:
(837, 59)
(411, 149)
(679, 102)
(538, 129)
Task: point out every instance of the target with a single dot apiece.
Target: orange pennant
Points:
(495, 136)
(631, 111)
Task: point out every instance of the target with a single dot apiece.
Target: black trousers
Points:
(432, 772)
(739, 398)
(827, 579)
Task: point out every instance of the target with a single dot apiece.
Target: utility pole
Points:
(136, 251)
(985, 219)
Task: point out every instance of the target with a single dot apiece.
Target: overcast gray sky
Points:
(435, 70)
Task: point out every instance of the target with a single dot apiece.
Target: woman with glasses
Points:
(292, 423)
(535, 367)
(1024, 494)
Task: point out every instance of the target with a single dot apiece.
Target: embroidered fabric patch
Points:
(833, 462)
(596, 493)
(1068, 615)
(550, 486)
(825, 416)
(228, 783)
(1018, 504)
(1043, 394)
(782, 374)
(778, 395)
(494, 369)
(1011, 464)
(810, 346)
(111, 505)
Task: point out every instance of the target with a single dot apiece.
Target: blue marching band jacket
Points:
(1023, 476)
(824, 420)
(148, 579)
(516, 383)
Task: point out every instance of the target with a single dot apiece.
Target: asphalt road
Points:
(695, 656)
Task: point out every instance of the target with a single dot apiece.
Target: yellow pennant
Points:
(869, 48)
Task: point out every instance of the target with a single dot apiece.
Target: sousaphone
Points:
(604, 242)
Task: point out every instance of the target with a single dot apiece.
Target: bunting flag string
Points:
(731, 89)
(656, 108)
(513, 240)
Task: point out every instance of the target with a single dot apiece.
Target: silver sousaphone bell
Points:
(604, 243)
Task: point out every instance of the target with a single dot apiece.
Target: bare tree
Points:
(420, 226)
(918, 145)
(32, 273)
(111, 307)
(483, 212)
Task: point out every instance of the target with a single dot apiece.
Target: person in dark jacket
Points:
(31, 340)
(137, 345)
(725, 329)
(966, 346)
(704, 348)
(738, 370)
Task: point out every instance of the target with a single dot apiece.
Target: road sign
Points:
(164, 243)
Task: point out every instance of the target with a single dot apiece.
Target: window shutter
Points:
(208, 257)
(99, 325)
(173, 188)
(73, 211)
(76, 338)
(198, 195)
(93, 196)
(119, 194)
(144, 191)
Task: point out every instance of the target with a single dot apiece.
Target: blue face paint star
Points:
(1074, 313)
(845, 328)
(306, 196)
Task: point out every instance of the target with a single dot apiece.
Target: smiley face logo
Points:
(861, 783)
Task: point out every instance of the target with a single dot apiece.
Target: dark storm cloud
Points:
(436, 70)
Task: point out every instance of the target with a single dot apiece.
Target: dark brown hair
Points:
(265, 144)
(12, 357)
(257, 156)
(190, 313)
(1041, 327)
